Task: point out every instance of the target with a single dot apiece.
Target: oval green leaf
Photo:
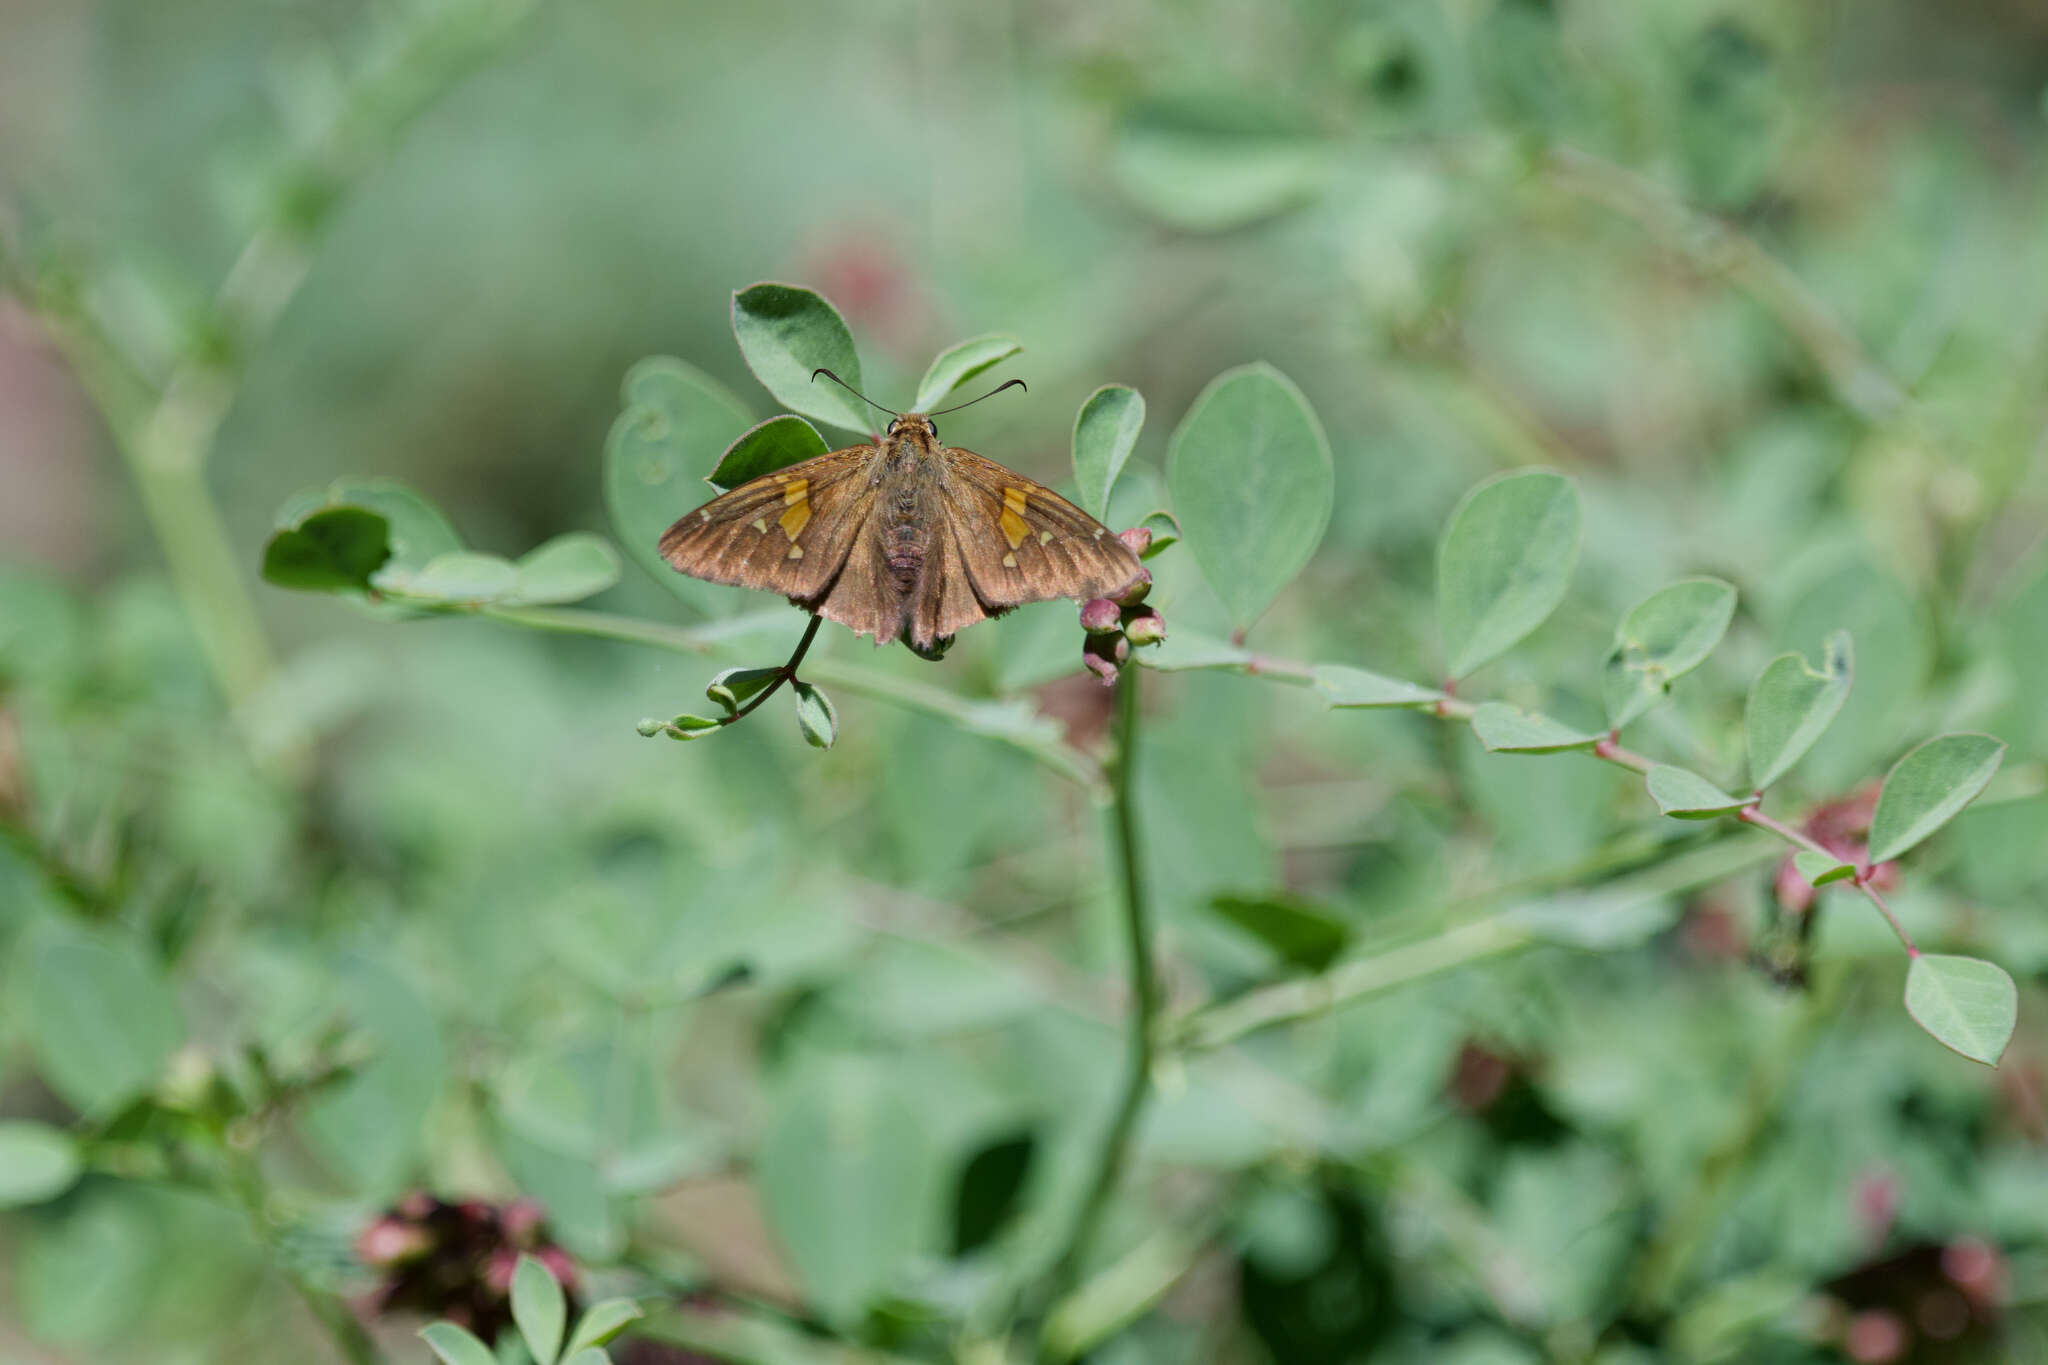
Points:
(1791, 705)
(1304, 935)
(1968, 1005)
(1206, 164)
(786, 332)
(101, 1020)
(335, 549)
(735, 687)
(1926, 788)
(538, 1308)
(675, 420)
(566, 569)
(1663, 637)
(959, 363)
(1105, 432)
(1252, 484)
(1345, 686)
(774, 444)
(847, 1172)
(1821, 868)
(815, 716)
(465, 578)
(37, 1162)
(455, 1346)
(601, 1322)
(1504, 563)
(1684, 795)
(1508, 729)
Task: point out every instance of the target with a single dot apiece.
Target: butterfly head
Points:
(916, 428)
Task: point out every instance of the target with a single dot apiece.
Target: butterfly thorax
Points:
(908, 474)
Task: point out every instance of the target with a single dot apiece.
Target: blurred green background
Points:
(1768, 280)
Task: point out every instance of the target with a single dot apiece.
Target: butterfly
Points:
(903, 538)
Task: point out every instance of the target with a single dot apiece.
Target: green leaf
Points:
(465, 578)
(1511, 730)
(101, 1020)
(687, 726)
(1206, 164)
(959, 363)
(568, 568)
(1184, 650)
(1926, 788)
(1791, 705)
(774, 444)
(1346, 686)
(1504, 563)
(1304, 934)
(601, 1322)
(322, 542)
(590, 1355)
(1663, 637)
(37, 1162)
(1821, 868)
(456, 1346)
(1165, 532)
(815, 716)
(332, 550)
(735, 687)
(674, 422)
(538, 1308)
(418, 529)
(1252, 485)
(1105, 432)
(786, 332)
(848, 1174)
(1970, 1006)
(1684, 795)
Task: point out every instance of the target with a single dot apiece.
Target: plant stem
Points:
(1870, 894)
(1144, 1016)
(1458, 946)
(787, 673)
(1751, 815)
(991, 719)
(1612, 752)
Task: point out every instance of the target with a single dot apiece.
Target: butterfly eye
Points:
(935, 429)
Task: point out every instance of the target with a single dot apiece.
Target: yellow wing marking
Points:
(796, 497)
(1015, 500)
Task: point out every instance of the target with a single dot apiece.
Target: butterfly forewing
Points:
(1021, 542)
(787, 532)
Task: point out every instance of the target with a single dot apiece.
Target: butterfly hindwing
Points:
(787, 532)
(1021, 542)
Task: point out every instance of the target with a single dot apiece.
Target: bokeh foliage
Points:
(1764, 280)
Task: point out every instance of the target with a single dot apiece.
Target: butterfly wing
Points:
(788, 532)
(1021, 542)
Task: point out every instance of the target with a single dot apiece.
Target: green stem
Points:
(995, 720)
(1144, 1017)
(786, 673)
(1473, 941)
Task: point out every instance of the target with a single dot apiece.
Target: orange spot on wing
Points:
(796, 497)
(1015, 500)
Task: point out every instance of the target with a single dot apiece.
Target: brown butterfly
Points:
(904, 538)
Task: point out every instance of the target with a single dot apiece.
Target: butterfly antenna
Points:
(852, 390)
(1006, 384)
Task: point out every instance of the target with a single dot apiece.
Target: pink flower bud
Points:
(1103, 654)
(392, 1241)
(1100, 616)
(559, 1265)
(521, 1220)
(1144, 627)
(1138, 539)
(1875, 1337)
(499, 1269)
(1101, 668)
(1137, 591)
